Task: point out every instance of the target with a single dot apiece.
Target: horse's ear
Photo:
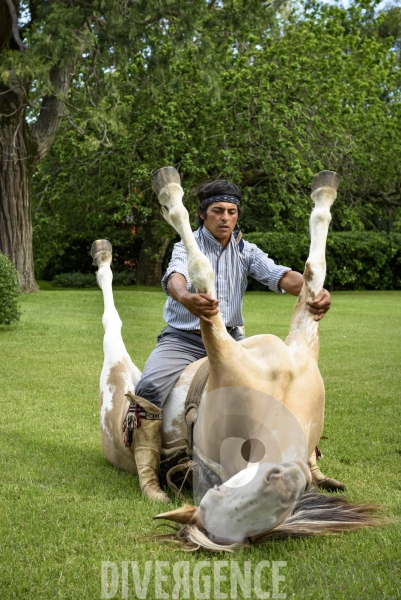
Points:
(187, 515)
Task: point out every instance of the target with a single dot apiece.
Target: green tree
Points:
(105, 172)
(317, 90)
(50, 49)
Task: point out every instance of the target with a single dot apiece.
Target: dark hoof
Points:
(331, 485)
(100, 246)
(326, 179)
(163, 176)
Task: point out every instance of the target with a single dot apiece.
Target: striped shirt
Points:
(231, 268)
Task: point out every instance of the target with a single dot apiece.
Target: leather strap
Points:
(193, 398)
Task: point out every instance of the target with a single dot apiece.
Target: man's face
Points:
(220, 219)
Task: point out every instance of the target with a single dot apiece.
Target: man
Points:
(180, 343)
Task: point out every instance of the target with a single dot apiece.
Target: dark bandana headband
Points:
(207, 201)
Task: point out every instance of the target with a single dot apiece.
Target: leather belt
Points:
(198, 331)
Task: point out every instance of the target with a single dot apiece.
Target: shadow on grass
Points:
(62, 469)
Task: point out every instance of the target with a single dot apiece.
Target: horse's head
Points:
(252, 502)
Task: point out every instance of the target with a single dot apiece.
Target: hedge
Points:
(9, 292)
(362, 260)
(87, 280)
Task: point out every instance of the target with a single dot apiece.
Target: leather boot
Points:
(147, 447)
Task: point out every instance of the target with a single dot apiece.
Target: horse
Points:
(251, 440)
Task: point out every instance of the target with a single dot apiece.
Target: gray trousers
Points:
(175, 350)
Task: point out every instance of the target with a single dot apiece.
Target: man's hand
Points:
(320, 305)
(292, 282)
(201, 305)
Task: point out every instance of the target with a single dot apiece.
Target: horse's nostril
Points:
(274, 473)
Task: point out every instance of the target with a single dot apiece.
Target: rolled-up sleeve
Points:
(264, 269)
(177, 264)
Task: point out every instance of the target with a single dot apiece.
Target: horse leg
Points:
(218, 343)
(326, 483)
(304, 330)
(167, 185)
(303, 325)
(119, 374)
(118, 379)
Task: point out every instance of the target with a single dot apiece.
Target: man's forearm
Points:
(177, 286)
(292, 282)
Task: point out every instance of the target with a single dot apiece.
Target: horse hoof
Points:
(326, 179)
(331, 485)
(164, 176)
(100, 246)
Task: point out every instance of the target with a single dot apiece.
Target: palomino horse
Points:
(261, 415)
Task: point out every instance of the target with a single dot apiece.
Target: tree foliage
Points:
(316, 90)
(58, 52)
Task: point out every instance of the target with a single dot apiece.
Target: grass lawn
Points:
(64, 509)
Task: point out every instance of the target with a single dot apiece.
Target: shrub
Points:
(75, 280)
(88, 280)
(356, 260)
(123, 278)
(9, 292)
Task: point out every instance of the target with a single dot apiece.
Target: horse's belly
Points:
(268, 366)
(271, 369)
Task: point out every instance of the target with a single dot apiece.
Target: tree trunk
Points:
(15, 183)
(153, 251)
(22, 147)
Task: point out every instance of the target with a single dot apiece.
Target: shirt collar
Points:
(206, 233)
